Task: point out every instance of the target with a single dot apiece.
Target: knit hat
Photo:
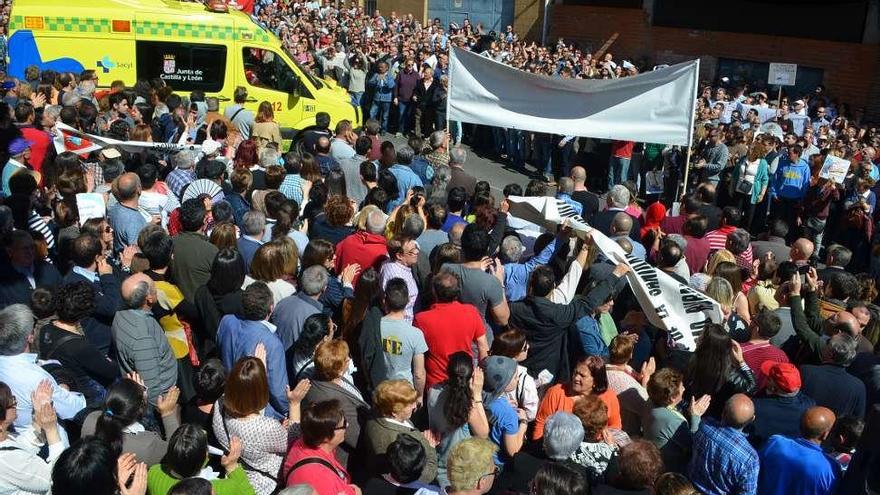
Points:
(498, 371)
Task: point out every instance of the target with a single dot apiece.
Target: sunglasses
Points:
(344, 425)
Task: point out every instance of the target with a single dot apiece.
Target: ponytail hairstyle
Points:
(126, 402)
(457, 406)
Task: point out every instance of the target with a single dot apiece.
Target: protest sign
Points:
(834, 168)
(90, 205)
(764, 114)
(782, 74)
(668, 304)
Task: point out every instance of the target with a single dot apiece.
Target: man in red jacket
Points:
(41, 142)
(365, 247)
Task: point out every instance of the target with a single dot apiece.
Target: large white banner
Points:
(653, 107)
(67, 138)
(668, 304)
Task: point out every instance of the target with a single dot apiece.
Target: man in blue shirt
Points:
(239, 336)
(789, 185)
(566, 189)
(21, 372)
(382, 83)
(516, 274)
(125, 216)
(799, 466)
(406, 178)
(723, 462)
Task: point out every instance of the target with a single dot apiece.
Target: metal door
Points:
(494, 15)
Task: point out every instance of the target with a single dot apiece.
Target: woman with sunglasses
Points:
(311, 460)
(22, 470)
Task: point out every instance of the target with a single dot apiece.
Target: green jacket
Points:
(762, 178)
(236, 483)
(807, 326)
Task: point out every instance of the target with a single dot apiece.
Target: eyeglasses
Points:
(344, 425)
(493, 473)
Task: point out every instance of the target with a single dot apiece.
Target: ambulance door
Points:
(267, 77)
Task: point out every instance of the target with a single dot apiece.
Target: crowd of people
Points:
(356, 316)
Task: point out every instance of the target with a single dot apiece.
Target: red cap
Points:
(785, 375)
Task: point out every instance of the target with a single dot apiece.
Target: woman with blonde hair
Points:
(718, 257)
(395, 401)
(276, 265)
(265, 130)
(750, 180)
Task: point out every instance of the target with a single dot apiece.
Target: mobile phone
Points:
(804, 269)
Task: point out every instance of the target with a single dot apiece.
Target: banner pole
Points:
(448, 91)
(690, 139)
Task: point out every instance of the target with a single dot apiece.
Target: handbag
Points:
(744, 186)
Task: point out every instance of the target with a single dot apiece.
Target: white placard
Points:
(835, 169)
(90, 205)
(782, 74)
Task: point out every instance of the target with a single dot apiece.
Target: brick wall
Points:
(418, 8)
(850, 68)
(528, 18)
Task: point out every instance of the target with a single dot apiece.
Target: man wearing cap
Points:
(19, 153)
(799, 466)
(780, 410)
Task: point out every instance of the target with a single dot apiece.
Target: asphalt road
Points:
(497, 173)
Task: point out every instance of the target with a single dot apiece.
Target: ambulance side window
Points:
(183, 66)
(265, 69)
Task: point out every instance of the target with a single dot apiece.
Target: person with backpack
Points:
(311, 460)
(63, 340)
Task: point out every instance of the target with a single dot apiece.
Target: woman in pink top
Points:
(311, 460)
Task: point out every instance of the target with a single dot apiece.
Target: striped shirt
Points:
(718, 240)
(37, 225)
(393, 269)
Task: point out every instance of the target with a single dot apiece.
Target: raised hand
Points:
(138, 484)
(167, 402)
(350, 272)
(299, 392)
(260, 353)
(42, 394)
(700, 406)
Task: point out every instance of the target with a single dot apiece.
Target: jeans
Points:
(500, 140)
(515, 147)
(356, 98)
(618, 168)
(544, 156)
(404, 117)
(454, 130)
(383, 107)
(564, 158)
